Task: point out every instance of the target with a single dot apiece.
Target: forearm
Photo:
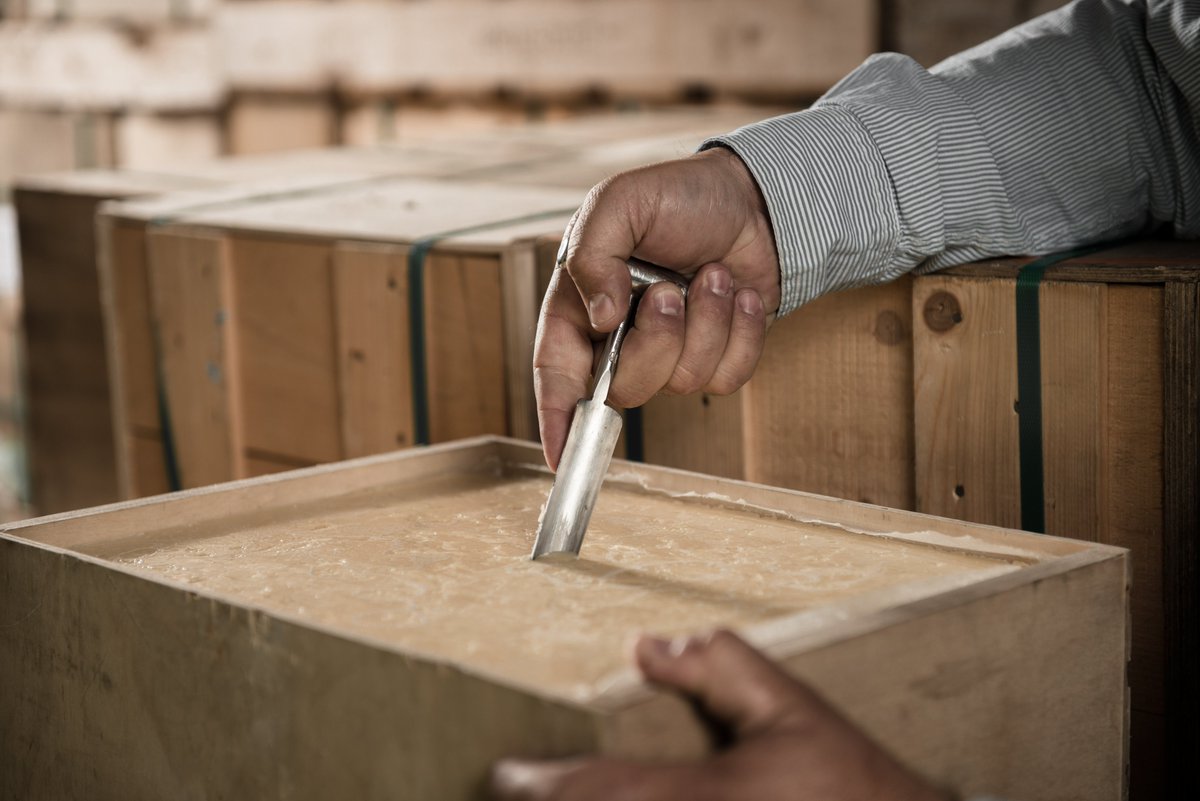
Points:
(1074, 128)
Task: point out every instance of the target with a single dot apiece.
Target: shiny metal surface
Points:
(593, 435)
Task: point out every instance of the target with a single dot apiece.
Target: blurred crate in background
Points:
(72, 445)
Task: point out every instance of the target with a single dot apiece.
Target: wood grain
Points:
(192, 284)
(465, 346)
(830, 407)
(967, 461)
(118, 647)
(1181, 531)
(374, 372)
(284, 309)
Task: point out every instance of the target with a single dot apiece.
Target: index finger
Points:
(562, 363)
(602, 236)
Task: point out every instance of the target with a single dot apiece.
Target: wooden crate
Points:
(383, 660)
(283, 325)
(1120, 442)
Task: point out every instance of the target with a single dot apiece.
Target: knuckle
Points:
(686, 380)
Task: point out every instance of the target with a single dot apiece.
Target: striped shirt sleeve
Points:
(1077, 127)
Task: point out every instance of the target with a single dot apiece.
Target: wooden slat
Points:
(1075, 388)
(1133, 438)
(148, 470)
(519, 290)
(829, 408)
(465, 346)
(1181, 544)
(374, 372)
(967, 462)
(192, 287)
(700, 432)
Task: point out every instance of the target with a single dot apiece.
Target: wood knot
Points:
(889, 328)
(942, 311)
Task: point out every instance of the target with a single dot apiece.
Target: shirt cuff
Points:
(829, 198)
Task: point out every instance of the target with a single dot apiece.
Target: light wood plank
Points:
(287, 347)
(374, 370)
(193, 293)
(830, 407)
(1075, 389)
(967, 458)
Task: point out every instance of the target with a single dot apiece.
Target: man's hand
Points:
(789, 743)
(701, 216)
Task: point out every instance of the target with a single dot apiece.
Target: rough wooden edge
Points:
(1094, 269)
(1181, 530)
(105, 227)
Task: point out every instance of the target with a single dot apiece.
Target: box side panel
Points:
(1018, 694)
(124, 688)
(70, 438)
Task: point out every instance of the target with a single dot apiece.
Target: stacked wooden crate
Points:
(83, 85)
(147, 239)
(393, 66)
(314, 325)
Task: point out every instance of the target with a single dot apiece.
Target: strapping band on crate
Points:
(416, 309)
(1029, 383)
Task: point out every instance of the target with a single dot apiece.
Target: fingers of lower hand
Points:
(592, 780)
(732, 680)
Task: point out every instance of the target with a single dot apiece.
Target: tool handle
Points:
(643, 275)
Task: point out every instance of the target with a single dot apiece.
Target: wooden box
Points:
(1119, 445)
(374, 629)
(284, 332)
(70, 432)
(828, 410)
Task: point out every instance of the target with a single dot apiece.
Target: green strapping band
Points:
(416, 310)
(1029, 384)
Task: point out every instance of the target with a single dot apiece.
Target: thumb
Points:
(733, 682)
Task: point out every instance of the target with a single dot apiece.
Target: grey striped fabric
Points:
(1077, 127)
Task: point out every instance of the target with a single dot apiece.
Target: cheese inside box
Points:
(375, 628)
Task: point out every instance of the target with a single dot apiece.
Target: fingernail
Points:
(655, 648)
(719, 283)
(749, 302)
(669, 302)
(600, 308)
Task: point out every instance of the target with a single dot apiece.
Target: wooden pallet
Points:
(992, 661)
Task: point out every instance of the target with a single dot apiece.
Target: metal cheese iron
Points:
(593, 435)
